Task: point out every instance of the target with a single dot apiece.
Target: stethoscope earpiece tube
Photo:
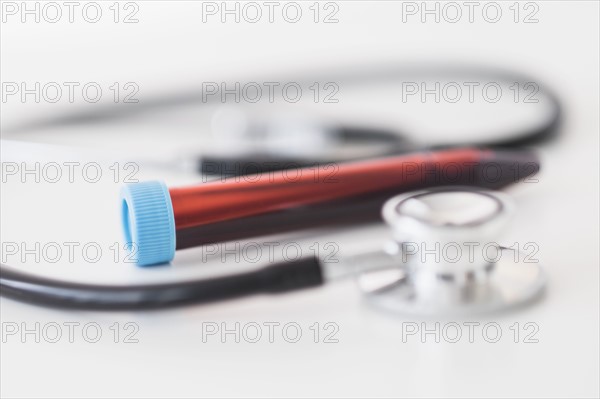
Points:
(276, 278)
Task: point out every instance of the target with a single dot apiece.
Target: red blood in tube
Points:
(243, 196)
(331, 195)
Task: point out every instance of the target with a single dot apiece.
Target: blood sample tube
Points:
(158, 220)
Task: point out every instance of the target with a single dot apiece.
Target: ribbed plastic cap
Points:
(148, 222)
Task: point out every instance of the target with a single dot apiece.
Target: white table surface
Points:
(560, 214)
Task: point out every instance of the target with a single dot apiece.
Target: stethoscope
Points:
(394, 278)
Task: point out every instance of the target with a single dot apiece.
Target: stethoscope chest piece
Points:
(443, 259)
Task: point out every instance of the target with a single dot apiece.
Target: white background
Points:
(171, 49)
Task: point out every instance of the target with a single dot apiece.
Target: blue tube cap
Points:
(148, 222)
